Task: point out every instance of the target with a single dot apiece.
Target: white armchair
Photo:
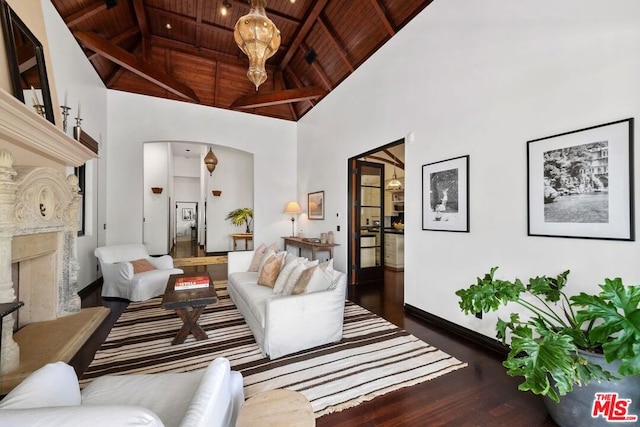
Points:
(122, 281)
(51, 396)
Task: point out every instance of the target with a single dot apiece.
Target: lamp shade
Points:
(211, 161)
(259, 39)
(292, 208)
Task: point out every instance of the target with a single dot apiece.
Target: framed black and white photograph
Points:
(445, 195)
(315, 205)
(580, 183)
(187, 214)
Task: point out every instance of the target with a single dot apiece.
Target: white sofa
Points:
(119, 278)
(51, 396)
(285, 324)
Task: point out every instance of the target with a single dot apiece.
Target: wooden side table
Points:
(313, 246)
(247, 237)
(276, 408)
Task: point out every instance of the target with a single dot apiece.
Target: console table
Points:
(301, 244)
(247, 237)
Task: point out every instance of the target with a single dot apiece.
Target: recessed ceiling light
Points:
(168, 26)
(292, 1)
(224, 10)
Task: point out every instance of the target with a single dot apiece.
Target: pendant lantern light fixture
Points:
(394, 184)
(210, 161)
(259, 39)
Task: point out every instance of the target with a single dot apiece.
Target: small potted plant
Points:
(567, 342)
(241, 216)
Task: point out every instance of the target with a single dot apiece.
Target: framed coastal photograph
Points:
(187, 214)
(315, 205)
(445, 195)
(580, 183)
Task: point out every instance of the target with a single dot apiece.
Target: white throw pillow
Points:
(285, 273)
(55, 384)
(295, 275)
(322, 277)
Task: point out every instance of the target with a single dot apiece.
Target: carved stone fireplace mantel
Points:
(38, 221)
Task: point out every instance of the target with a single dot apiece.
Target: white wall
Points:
(134, 119)
(481, 78)
(234, 177)
(73, 75)
(156, 207)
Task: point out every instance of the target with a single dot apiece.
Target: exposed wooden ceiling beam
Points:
(85, 13)
(277, 98)
(278, 76)
(303, 31)
(336, 45)
(396, 160)
(127, 60)
(141, 16)
(384, 17)
(296, 80)
(131, 32)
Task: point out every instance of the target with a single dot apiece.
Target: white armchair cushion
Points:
(75, 416)
(55, 384)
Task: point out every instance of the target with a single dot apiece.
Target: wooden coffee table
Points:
(276, 408)
(189, 305)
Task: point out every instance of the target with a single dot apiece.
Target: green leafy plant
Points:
(241, 216)
(544, 347)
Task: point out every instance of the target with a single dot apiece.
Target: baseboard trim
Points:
(90, 288)
(468, 334)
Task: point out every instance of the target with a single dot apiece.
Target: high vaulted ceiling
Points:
(184, 49)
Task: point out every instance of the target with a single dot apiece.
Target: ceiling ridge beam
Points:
(129, 61)
(85, 13)
(303, 31)
(384, 16)
(278, 98)
(396, 160)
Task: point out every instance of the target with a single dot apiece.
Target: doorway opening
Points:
(376, 217)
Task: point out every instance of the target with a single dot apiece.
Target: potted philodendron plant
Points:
(567, 343)
(241, 216)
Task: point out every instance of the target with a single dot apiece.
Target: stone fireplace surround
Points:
(38, 222)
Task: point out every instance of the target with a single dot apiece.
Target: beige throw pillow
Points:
(259, 254)
(295, 275)
(301, 285)
(257, 257)
(285, 273)
(270, 270)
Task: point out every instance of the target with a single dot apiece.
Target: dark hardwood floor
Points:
(479, 395)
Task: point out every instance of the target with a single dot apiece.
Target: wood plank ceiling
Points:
(184, 49)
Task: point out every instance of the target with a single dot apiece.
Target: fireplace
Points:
(38, 223)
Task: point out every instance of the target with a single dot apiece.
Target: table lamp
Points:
(293, 209)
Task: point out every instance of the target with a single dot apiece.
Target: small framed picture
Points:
(580, 183)
(315, 205)
(187, 214)
(445, 195)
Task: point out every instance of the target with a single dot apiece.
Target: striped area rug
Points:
(373, 358)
